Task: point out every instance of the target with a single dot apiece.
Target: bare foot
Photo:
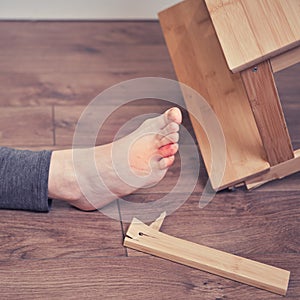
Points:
(138, 160)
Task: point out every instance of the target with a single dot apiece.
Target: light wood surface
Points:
(277, 172)
(156, 225)
(285, 60)
(199, 63)
(250, 31)
(146, 239)
(267, 110)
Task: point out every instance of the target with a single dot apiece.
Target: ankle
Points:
(62, 183)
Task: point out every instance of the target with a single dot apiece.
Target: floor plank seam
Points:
(53, 124)
(122, 227)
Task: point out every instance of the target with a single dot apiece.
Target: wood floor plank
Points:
(51, 64)
(111, 33)
(26, 126)
(127, 278)
(241, 223)
(287, 82)
(108, 60)
(293, 122)
(65, 232)
(44, 88)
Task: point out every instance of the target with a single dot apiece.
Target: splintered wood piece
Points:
(266, 107)
(285, 60)
(251, 31)
(156, 225)
(277, 172)
(146, 239)
(199, 63)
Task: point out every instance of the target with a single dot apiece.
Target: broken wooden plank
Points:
(199, 63)
(253, 31)
(146, 239)
(267, 110)
(277, 172)
(285, 60)
(156, 225)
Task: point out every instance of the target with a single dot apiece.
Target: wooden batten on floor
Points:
(276, 172)
(267, 110)
(146, 239)
(200, 63)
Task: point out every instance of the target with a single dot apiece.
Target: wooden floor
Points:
(49, 72)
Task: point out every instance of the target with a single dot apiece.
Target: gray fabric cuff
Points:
(24, 179)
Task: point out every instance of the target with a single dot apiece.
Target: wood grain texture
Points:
(246, 224)
(267, 110)
(285, 60)
(199, 63)
(287, 85)
(86, 59)
(26, 126)
(242, 223)
(259, 29)
(146, 239)
(121, 278)
(278, 171)
(289, 91)
(68, 254)
(64, 233)
(287, 82)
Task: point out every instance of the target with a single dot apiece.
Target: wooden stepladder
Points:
(228, 51)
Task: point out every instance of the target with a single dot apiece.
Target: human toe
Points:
(174, 115)
(169, 139)
(166, 162)
(169, 129)
(168, 150)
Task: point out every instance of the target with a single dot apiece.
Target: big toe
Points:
(173, 115)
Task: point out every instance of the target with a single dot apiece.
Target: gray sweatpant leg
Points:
(24, 179)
